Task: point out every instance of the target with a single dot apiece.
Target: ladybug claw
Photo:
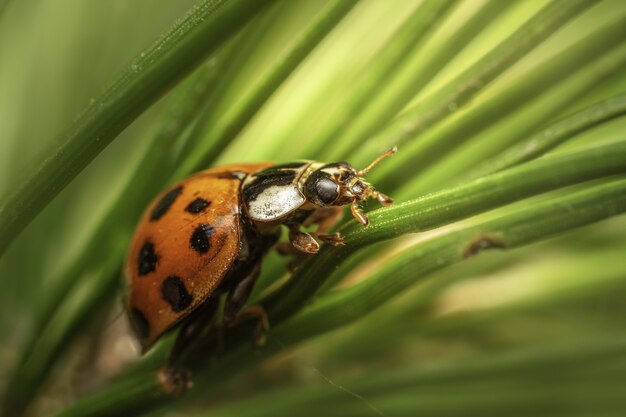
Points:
(335, 239)
(302, 241)
(259, 337)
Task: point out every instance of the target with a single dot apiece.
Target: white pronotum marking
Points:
(274, 202)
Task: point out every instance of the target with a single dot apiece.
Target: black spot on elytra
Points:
(148, 259)
(197, 205)
(165, 203)
(140, 322)
(175, 293)
(265, 179)
(201, 238)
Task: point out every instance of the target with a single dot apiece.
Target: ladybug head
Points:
(338, 184)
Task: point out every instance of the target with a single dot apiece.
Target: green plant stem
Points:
(420, 69)
(411, 35)
(230, 124)
(483, 148)
(131, 396)
(436, 209)
(510, 231)
(459, 92)
(554, 135)
(434, 144)
(149, 76)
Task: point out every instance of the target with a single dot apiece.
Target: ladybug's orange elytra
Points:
(207, 235)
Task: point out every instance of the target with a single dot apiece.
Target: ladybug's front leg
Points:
(305, 242)
(326, 218)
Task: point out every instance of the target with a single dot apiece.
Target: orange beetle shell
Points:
(184, 245)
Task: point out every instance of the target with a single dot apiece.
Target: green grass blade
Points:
(554, 135)
(131, 397)
(418, 71)
(409, 37)
(522, 227)
(229, 124)
(438, 142)
(460, 91)
(206, 27)
(455, 165)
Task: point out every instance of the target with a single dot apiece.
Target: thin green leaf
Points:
(417, 28)
(525, 226)
(229, 124)
(459, 92)
(204, 29)
(554, 135)
(436, 143)
(455, 165)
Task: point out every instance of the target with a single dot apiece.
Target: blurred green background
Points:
(468, 89)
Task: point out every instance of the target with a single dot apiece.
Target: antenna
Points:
(388, 153)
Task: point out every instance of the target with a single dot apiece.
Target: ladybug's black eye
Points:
(327, 190)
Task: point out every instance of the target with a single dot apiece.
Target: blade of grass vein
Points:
(230, 124)
(435, 143)
(459, 92)
(436, 209)
(486, 193)
(409, 37)
(523, 122)
(373, 112)
(204, 29)
(515, 229)
(148, 177)
(62, 325)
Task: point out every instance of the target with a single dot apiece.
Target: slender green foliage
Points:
(148, 77)
(456, 94)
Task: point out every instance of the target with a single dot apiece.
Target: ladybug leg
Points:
(326, 218)
(302, 241)
(239, 294)
(255, 312)
(234, 314)
(193, 328)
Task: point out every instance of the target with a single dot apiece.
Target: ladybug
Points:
(206, 236)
